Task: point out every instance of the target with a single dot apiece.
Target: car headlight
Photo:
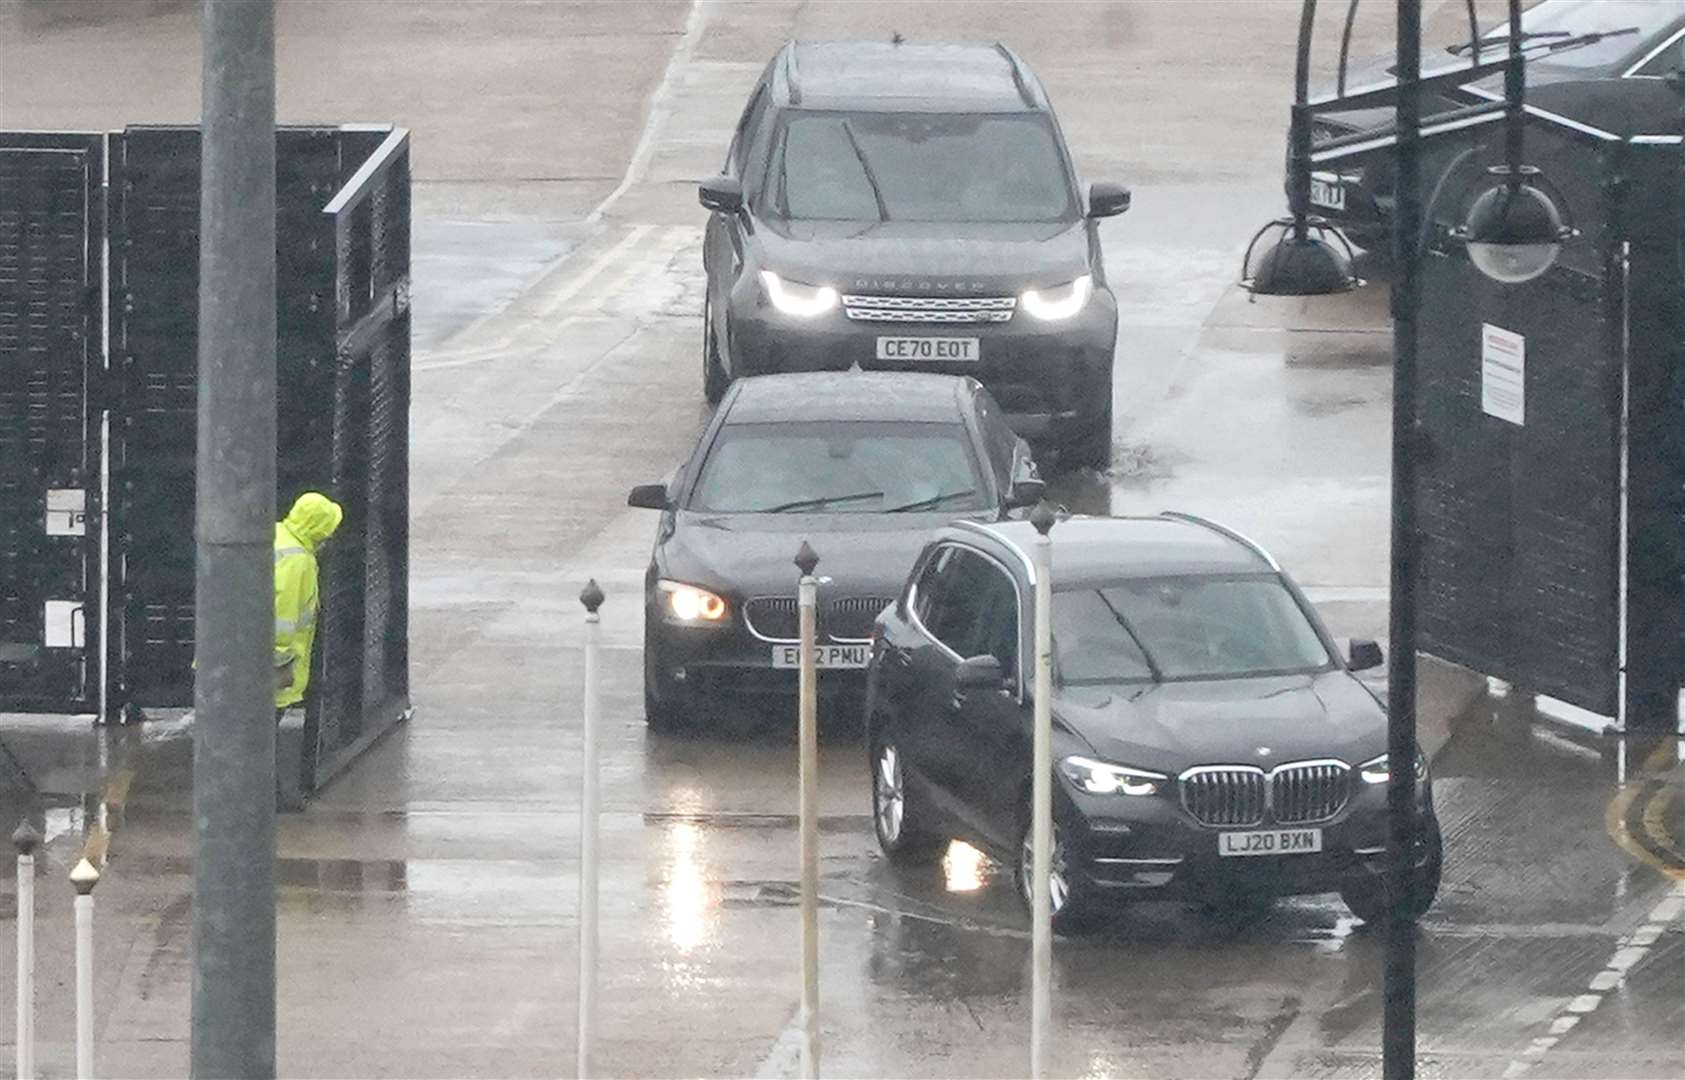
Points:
(1375, 771)
(690, 605)
(794, 298)
(1059, 302)
(1104, 778)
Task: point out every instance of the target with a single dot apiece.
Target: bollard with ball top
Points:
(589, 814)
(84, 877)
(807, 603)
(1041, 799)
(26, 840)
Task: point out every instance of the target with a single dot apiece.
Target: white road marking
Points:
(659, 110)
(1629, 951)
(642, 151)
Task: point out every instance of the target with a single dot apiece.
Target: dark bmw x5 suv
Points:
(914, 207)
(1210, 744)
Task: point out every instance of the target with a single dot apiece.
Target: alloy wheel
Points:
(1058, 878)
(889, 794)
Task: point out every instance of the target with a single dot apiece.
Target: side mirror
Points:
(723, 194)
(1364, 655)
(980, 673)
(1106, 199)
(648, 497)
(1025, 491)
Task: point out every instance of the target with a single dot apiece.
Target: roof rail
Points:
(790, 74)
(1018, 79)
(1223, 530)
(984, 530)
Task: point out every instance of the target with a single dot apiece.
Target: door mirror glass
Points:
(979, 673)
(723, 194)
(1025, 491)
(648, 497)
(1364, 655)
(1107, 199)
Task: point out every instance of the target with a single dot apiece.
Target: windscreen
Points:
(1557, 20)
(1182, 628)
(842, 467)
(918, 167)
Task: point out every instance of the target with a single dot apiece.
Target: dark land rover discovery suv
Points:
(914, 207)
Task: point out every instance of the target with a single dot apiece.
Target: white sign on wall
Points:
(1503, 374)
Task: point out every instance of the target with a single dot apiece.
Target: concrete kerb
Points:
(1444, 692)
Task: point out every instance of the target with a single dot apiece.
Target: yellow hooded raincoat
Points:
(312, 520)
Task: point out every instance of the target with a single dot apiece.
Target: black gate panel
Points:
(1520, 549)
(363, 660)
(155, 288)
(51, 367)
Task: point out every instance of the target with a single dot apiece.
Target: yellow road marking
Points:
(1654, 824)
(96, 848)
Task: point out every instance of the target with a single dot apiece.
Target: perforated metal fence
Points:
(342, 262)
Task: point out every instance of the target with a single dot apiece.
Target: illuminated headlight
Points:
(1059, 302)
(794, 298)
(1375, 771)
(1104, 778)
(687, 604)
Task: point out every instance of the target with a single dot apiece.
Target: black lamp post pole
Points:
(1398, 1032)
(1299, 131)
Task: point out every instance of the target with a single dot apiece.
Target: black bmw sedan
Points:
(863, 466)
(1210, 743)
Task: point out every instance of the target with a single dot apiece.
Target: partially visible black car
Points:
(1606, 63)
(1210, 743)
(863, 466)
(914, 207)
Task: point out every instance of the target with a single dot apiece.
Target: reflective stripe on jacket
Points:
(295, 612)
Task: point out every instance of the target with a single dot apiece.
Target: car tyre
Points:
(1370, 900)
(715, 381)
(1074, 909)
(898, 816)
(1092, 449)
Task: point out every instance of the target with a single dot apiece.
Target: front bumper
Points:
(1052, 379)
(1349, 201)
(707, 665)
(1149, 848)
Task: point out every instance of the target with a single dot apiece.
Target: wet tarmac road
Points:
(427, 899)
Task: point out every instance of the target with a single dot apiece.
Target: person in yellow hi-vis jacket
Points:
(313, 519)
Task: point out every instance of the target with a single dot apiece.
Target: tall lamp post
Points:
(1512, 234)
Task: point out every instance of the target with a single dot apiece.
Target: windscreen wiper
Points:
(816, 503)
(931, 503)
(1588, 39)
(866, 167)
(1502, 39)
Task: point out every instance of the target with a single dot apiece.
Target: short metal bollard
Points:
(26, 840)
(1041, 801)
(589, 814)
(84, 877)
(807, 602)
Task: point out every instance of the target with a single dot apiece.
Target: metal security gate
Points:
(51, 368)
(342, 276)
(363, 650)
(1524, 525)
(155, 333)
